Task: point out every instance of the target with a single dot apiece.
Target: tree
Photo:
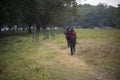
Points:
(52, 10)
(10, 12)
(30, 12)
(118, 17)
(100, 15)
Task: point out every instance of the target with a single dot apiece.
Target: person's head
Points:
(67, 29)
(72, 30)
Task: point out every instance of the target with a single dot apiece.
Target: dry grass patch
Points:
(101, 53)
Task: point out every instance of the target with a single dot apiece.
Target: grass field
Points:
(97, 57)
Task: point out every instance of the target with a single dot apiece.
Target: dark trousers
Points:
(72, 48)
(68, 44)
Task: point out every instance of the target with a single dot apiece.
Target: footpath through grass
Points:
(97, 57)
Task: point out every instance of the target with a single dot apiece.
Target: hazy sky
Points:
(95, 2)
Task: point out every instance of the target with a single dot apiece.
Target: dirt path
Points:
(64, 56)
(74, 62)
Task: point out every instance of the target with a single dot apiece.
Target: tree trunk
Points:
(9, 29)
(0, 29)
(44, 27)
(23, 27)
(29, 29)
(38, 27)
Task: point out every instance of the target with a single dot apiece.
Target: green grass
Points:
(99, 48)
(14, 64)
(23, 59)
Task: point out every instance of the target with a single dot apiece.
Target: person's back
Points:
(72, 41)
(72, 38)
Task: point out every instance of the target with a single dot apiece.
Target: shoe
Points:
(71, 54)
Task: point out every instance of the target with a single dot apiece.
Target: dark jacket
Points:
(72, 34)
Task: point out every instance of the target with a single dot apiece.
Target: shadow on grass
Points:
(16, 33)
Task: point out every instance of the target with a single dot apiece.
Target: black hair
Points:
(67, 29)
(72, 30)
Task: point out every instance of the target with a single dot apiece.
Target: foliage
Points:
(33, 12)
(118, 19)
(100, 15)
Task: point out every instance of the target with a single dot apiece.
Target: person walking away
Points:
(72, 41)
(67, 36)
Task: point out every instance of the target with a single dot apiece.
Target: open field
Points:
(97, 57)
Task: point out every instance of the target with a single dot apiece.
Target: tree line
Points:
(100, 16)
(42, 14)
(36, 13)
